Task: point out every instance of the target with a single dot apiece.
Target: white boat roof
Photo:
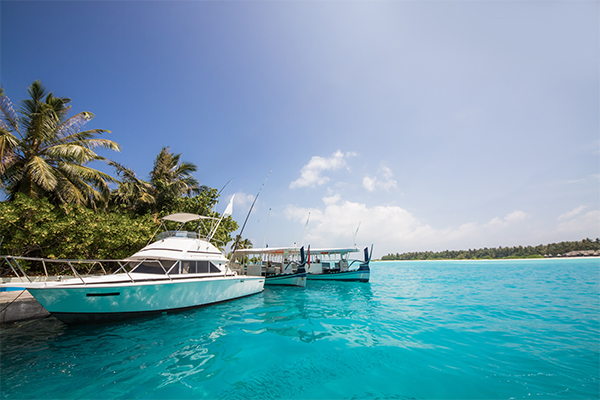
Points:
(281, 250)
(185, 217)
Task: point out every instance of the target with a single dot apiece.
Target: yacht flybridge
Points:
(178, 271)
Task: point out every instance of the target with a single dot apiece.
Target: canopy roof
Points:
(281, 250)
(185, 217)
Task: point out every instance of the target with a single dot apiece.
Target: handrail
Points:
(76, 274)
(122, 265)
(15, 267)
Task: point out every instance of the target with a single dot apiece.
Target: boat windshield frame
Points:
(177, 234)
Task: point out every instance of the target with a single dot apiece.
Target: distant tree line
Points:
(57, 206)
(552, 249)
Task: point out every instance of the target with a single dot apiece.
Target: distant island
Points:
(584, 248)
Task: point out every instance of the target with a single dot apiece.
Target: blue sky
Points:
(431, 125)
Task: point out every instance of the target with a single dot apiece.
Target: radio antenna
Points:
(305, 226)
(355, 233)
(266, 227)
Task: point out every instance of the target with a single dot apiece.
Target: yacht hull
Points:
(106, 303)
(287, 280)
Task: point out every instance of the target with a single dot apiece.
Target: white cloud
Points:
(310, 175)
(369, 183)
(572, 213)
(374, 183)
(242, 201)
(513, 217)
(516, 216)
(577, 224)
(393, 229)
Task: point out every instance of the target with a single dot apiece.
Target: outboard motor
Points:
(301, 268)
(365, 265)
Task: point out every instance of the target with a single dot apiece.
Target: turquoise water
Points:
(419, 330)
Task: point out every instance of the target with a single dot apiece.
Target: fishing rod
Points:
(237, 240)
(213, 209)
(224, 186)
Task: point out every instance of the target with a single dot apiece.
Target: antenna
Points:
(265, 238)
(305, 226)
(237, 240)
(355, 233)
(228, 211)
(218, 194)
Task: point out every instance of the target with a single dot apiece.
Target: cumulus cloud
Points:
(311, 173)
(386, 182)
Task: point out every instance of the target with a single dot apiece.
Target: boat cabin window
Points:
(198, 267)
(153, 267)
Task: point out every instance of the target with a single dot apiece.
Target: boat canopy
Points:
(281, 250)
(185, 217)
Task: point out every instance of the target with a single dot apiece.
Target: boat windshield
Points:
(173, 267)
(182, 234)
(153, 267)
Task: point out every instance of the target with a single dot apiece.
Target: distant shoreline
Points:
(497, 259)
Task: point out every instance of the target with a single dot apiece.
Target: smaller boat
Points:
(279, 265)
(333, 264)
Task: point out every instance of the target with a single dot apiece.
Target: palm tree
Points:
(133, 193)
(169, 179)
(44, 154)
(243, 243)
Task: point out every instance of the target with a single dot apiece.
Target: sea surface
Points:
(518, 329)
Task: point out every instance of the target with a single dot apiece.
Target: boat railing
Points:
(93, 268)
(87, 268)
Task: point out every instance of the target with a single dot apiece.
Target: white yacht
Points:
(279, 265)
(179, 271)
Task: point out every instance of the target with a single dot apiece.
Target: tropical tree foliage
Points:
(552, 249)
(45, 154)
(37, 228)
(170, 179)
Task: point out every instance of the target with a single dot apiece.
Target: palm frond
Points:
(41, 173)
(9, 146)
(85, 173)
(121, 170)
(8, 116)
(72, 152)
(73, 124)
(68, 191)
(185, 168)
